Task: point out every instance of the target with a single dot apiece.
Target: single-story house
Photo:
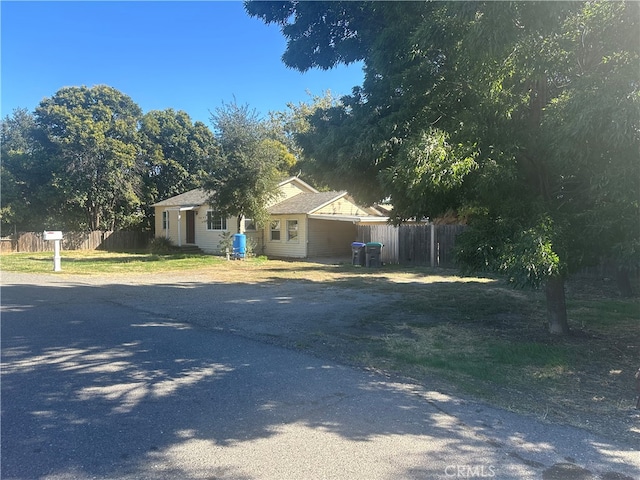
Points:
(303, 222)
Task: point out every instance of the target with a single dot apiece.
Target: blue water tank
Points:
(239, 245)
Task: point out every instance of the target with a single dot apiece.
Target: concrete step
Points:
(193, 249)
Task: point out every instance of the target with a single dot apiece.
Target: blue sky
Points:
(189, 56)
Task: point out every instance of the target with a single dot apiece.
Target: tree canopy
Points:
(88, 159)
(26, 189)
(521, 116)
(244, 178)
(177, 153)
(91, 142)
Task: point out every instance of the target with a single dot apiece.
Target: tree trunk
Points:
(556, 306)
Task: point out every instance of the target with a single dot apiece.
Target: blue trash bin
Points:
(239, 245)
(358, 256)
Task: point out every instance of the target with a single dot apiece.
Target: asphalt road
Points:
(98, 385)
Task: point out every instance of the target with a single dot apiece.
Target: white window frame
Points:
(212, 215)
(249, 225)
(273, 223)
(165, 220)
(295, 237)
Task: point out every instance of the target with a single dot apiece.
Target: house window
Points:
(275, 231)
(292, 230)
(215, 221)
(165, 220)
(249, 224)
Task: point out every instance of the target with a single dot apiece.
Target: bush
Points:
(226, 243)
(161, 246)
(252, 244)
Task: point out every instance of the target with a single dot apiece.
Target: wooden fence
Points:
(30, 242)
(420, 244)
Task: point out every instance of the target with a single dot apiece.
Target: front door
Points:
(191, 226)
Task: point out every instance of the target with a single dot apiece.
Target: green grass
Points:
(95, 262)
(605, 313)
(489, 341)
(526, 353)
(472, 354)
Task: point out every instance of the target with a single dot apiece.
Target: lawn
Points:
(101, 263)
(475, 334)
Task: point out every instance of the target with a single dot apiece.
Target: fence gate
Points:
(385, 234)
(420, 244)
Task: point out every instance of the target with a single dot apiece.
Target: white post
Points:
(179, 221)
(433, 245)
(56, 237)
(56, 256)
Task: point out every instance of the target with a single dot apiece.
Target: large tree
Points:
(522, 115)
(245, 176)
(178, 154)
(90, 138)
(290, 125)
(25, 175)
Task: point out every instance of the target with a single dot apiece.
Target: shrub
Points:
(226, 243)
(161, 246)
(252, 244)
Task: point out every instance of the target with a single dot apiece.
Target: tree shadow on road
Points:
(116, 381)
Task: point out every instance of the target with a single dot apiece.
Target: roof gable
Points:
(305, 203)
(303, 186)
(345, 205)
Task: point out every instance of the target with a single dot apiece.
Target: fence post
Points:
(433, 244)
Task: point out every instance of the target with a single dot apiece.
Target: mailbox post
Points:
(55, 236)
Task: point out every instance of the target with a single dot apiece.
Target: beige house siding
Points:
(284, 247)
(342, 206)
(172, 232)
(316, 237)
(257, 237)
(291, 189)
(158, 230)
(330, 238)
(207, 240)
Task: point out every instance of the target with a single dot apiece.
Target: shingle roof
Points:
(190, 198)
(304, 203)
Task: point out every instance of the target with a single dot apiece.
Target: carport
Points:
(332, 235)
